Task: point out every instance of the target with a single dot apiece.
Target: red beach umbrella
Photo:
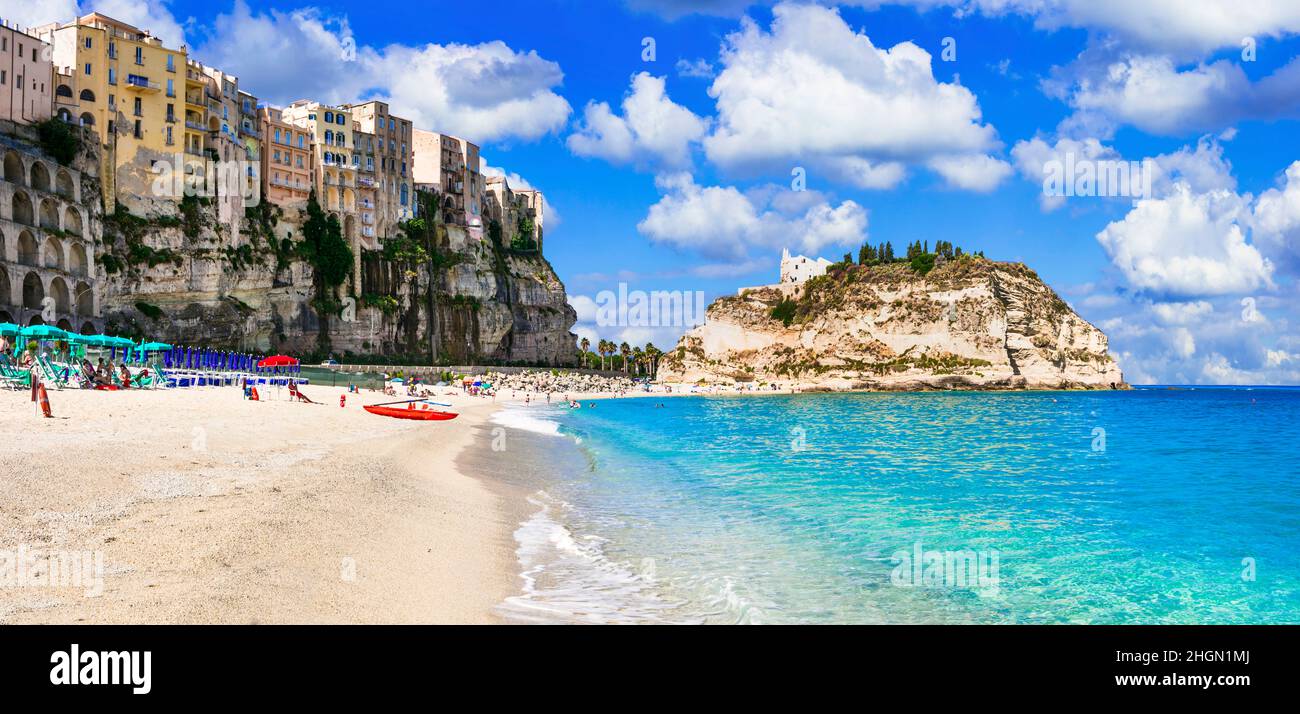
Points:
(278, 361)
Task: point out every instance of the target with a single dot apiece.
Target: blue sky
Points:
(675, 174)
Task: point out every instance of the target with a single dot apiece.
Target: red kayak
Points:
(411, 413)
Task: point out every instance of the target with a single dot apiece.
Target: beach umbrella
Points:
(278, 361)
(43, 332)
(9, 329)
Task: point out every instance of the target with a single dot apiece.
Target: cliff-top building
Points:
(797, 269)
(288, 160)
(394, 176)
(330, 129)
(451, 167)
(26, 77)
(129, 87)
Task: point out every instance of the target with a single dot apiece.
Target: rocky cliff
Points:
(202, 275)
(967, 323)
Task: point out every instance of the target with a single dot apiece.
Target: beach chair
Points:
(51, 374)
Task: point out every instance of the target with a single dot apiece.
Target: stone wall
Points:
(49, 220)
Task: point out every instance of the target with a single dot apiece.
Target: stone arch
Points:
(63, 90)
(65, 324)
(88, 328)
(35, 320)
(72, 221)
(5, 316)
(65, 115)
(28, 252)
(85, 300)
(40, 176)
(21, 209)
(49, 214)
(62, 296)
(78, 264)
(87, 119)
(6, 292)
(14, 168)
(87, 96)
(63, 185)
(54, 253)
(33, 292)
(350, 227)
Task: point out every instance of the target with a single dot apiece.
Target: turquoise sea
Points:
(1154, 505)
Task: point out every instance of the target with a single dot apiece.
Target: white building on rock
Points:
(799, 268)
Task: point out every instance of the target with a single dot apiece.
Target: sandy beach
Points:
(207, 508)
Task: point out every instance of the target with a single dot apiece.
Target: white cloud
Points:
(811, 91)
(1277, 217)
(722, 222)
(697, 68)
(1181, 313)
(973, 172)
(1157, 95)
(482, 92)
(1187, 244)
(1177, 26)
(155, 16)
(653, 130)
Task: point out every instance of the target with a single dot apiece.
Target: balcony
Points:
(141, 84)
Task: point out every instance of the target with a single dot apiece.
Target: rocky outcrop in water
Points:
(969, 323)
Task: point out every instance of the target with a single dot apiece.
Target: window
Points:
(169, 136)
(277, 156)
(139, 55)
(277, 136)
(87, 46)
(329, 136)
(87, 64)
(139, 132)
(329, 117)
(300, 138)
(171, 87)
(138, 106)
(171, 63)
(2, 76)
(340, 120)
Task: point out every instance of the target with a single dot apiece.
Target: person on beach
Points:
(125, 376)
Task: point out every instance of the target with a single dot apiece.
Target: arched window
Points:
(329, 117)
(87, 119)
(63, 91)
(87, 95)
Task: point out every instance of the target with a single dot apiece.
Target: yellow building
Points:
(131, 88)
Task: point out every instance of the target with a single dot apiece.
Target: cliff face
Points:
(969, 323)
(208, 276)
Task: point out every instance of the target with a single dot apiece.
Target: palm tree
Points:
(638, 358)
(585, 344)
(604, 349)
(652, 354)
(624, 350)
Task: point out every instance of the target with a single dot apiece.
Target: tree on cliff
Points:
(325, 249)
